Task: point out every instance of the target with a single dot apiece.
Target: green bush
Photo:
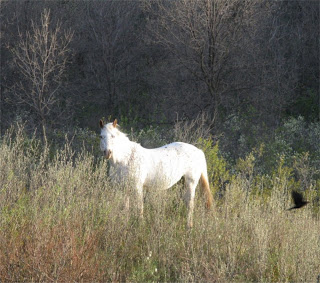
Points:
(218, 173)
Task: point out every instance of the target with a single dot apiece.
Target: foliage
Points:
(293, 138)
(217, 166)
(150, 137)
(306, 105)
(78, 138)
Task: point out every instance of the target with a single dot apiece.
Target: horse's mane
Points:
(110, 128)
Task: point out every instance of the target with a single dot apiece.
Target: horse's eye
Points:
(112, 136)
(101, 137)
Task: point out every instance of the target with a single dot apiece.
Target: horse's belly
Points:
(161, 182)
(164, 176)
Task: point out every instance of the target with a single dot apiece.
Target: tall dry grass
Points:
(60, 220)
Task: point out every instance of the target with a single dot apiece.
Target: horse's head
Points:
(108, 134)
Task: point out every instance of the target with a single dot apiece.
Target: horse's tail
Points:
(206, 189)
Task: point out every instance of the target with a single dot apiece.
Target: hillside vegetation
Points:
(61, 220)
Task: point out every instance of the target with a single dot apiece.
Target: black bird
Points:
(298, 200)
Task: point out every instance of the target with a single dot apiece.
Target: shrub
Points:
(218, 173)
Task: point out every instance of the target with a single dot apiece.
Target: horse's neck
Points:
(124, 152)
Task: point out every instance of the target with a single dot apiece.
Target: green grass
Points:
(61, 220)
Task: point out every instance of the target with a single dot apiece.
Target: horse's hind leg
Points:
(140, 204)
(189, 197)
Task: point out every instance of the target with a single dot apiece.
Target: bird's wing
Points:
(297, 197)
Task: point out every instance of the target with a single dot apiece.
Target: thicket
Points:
(61, 220)
(69, 63)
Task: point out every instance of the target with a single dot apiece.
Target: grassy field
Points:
(61, 220)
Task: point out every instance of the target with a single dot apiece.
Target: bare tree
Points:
(113, 51)
(252, 59)
(203, 39)
(41, 57)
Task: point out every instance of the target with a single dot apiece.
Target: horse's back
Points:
(183, 150)
(194, 158)
(176, 160)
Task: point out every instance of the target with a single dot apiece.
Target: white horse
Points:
(161, 167)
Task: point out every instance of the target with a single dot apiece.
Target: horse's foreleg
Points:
(127, 203)
(189, 197)
(139, 196)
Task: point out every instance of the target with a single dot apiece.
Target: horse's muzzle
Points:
(108, 153)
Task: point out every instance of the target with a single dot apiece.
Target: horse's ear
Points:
(101, 124)
(115, 123)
